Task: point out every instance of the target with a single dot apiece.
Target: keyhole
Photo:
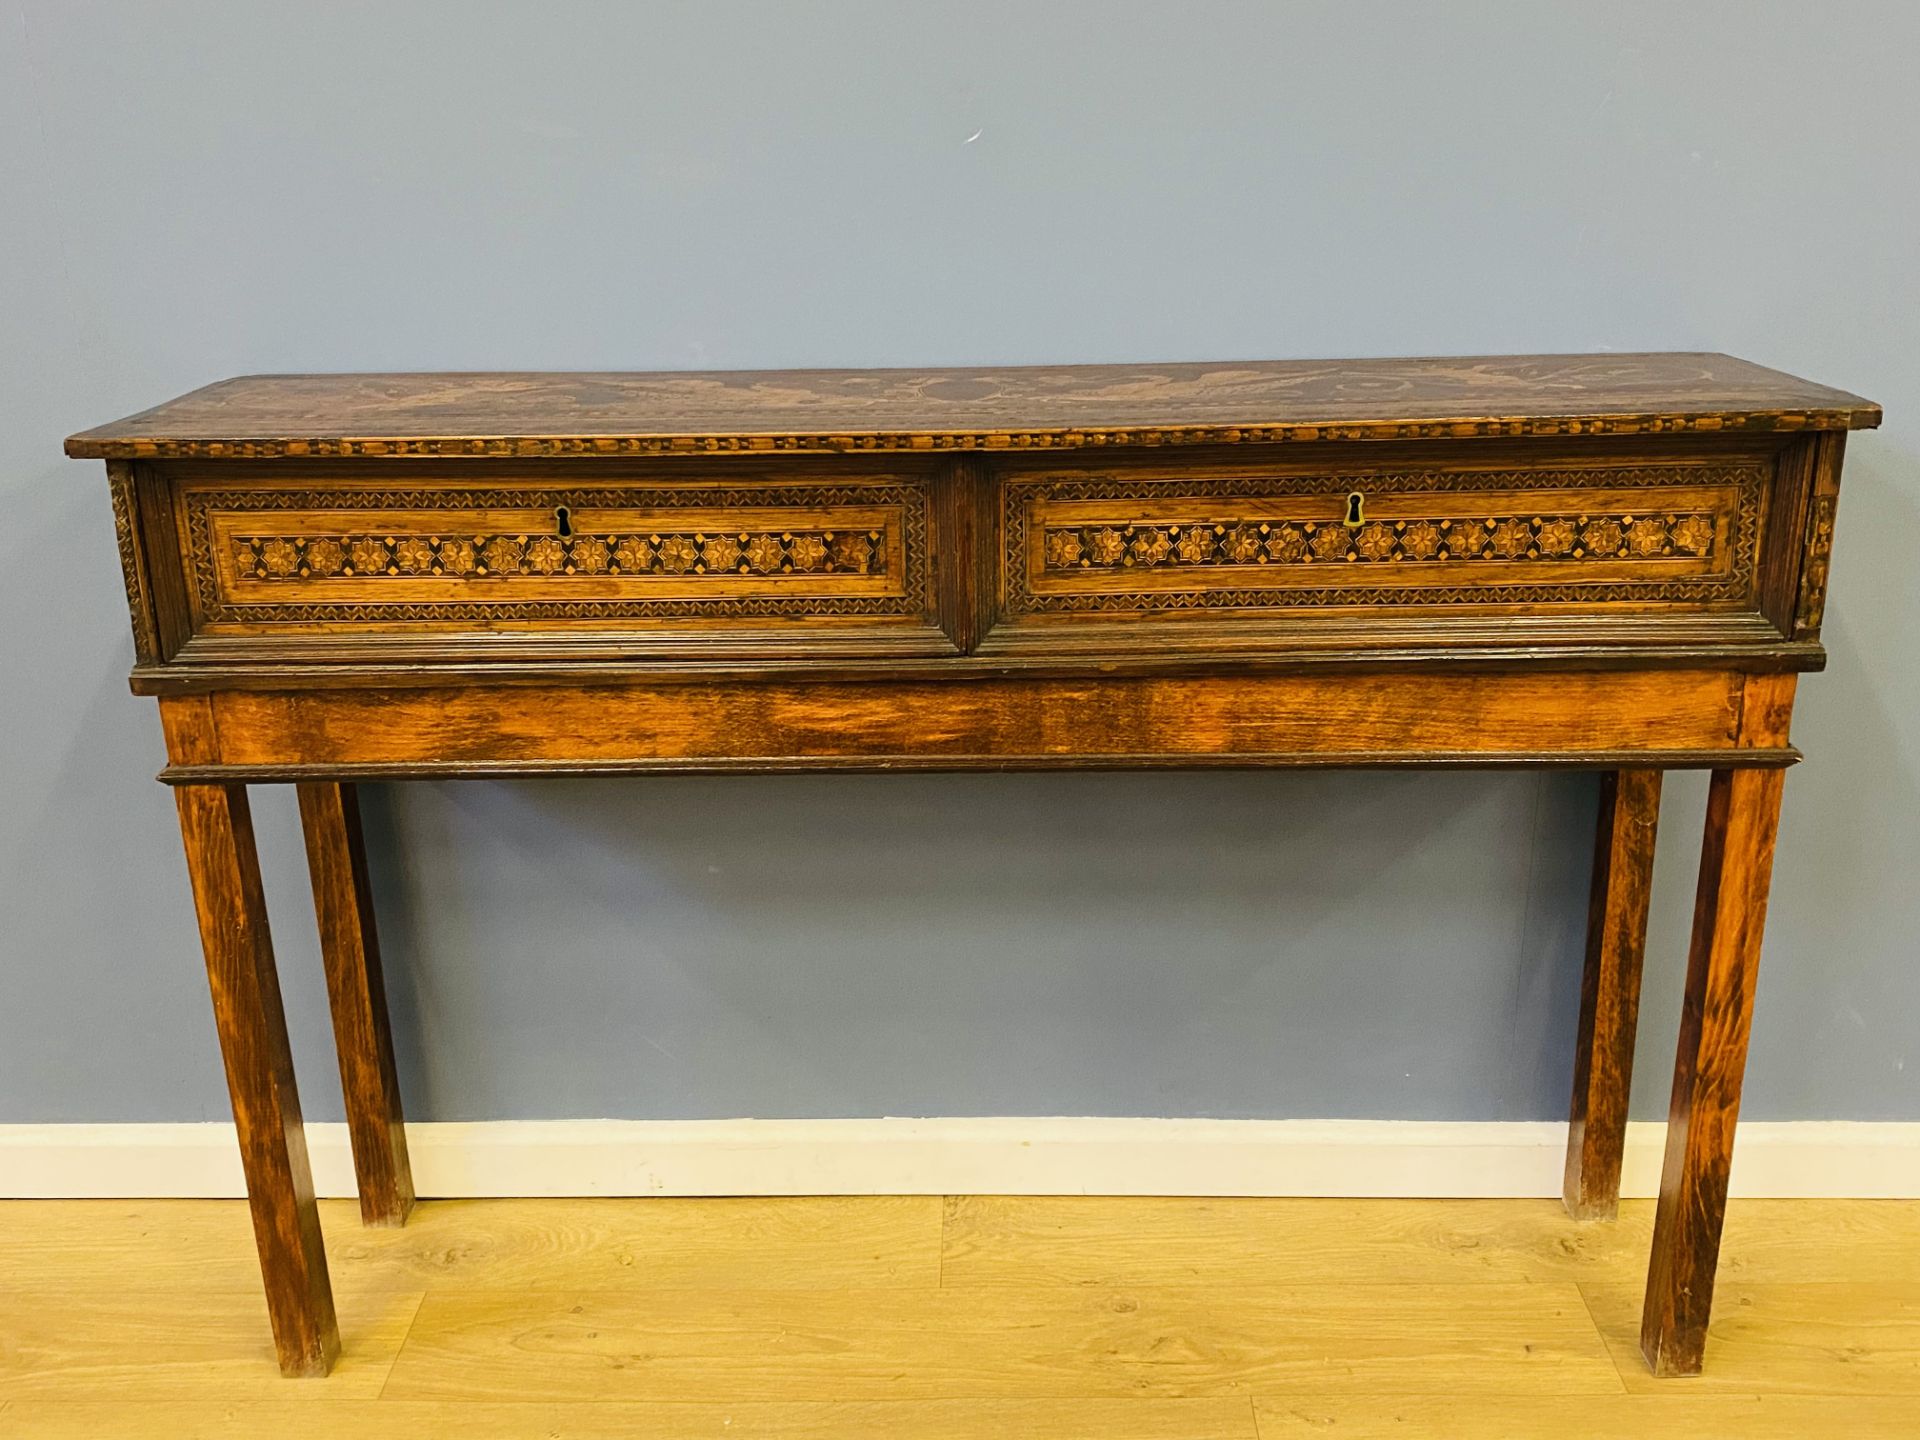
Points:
(1356, 503)
(563, 518)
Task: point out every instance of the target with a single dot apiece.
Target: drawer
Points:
(1545, 538)
(343, 553)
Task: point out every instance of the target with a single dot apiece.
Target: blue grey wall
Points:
(191, 191)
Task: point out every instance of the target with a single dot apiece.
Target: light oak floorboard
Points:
(1055, 1343)
(1091, 1240)
(799, 1318)
(1855, 1338)
(184, 1343)
(807, 1242)
(1685, 1416)
(794, 1420)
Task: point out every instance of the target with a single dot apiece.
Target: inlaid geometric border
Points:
(1436, 540)
(1813, 575)
(1285, 547)
(146, 644)
(528, 560)
(373, 554)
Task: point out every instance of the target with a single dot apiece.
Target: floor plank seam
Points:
(1199, 1301)
(406, 1337)
(947, 1203)
(1593, 1318)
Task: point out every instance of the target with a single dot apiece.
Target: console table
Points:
(1614, 562)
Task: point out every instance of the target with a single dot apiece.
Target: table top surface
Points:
(987, 408)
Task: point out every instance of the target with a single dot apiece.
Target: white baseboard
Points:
(959, 1156)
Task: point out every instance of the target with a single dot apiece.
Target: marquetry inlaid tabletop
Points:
(958, 409)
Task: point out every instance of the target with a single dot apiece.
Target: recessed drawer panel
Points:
(1685, 535)
(640, 556)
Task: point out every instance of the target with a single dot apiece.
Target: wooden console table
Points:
(1614, 562)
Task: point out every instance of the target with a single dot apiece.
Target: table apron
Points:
(1654, 718)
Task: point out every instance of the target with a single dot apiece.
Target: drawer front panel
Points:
(638, 556)
(1655, 536)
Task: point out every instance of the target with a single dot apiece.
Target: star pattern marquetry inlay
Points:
(1582, 535)
(1442, 541)
(346, 556)
(456, 555)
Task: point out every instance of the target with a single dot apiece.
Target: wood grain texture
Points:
(1860, 1338)
(1595, 1417)
(1396, 1417)
(1611, 562)
(1629, 816)
(1532, 535)
(803, 1243)
(157, 549)
(1016, 1241)
(1816, 552)
(129, 535)
(357, 995)
(1618, 546)
(984, 408)
(873, 1242)
(225, 870)
(1253, 720)
(821, 1242)
(1073, 1419)
(966, 549)
(1032, 1344)
(188, 724)
(635, 555)
(1766, 710)
(184, 1342)
(141, 1317)
(1623, 551)
(1730, 908)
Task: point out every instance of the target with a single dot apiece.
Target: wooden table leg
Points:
(1730, 909)
(1610, 991)
(336, 856)
(218, 829)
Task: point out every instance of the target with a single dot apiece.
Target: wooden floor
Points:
(913, 1316)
